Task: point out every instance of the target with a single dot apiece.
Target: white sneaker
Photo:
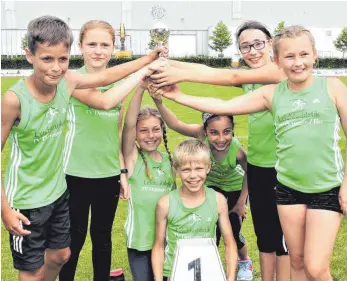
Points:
(245, 270)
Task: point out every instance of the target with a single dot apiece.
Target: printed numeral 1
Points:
(196, 265)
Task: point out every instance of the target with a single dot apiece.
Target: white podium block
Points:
(197, 260)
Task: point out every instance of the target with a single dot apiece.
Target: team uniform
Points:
(188, 223)
(34, 179)
(307, 122)
(226, 177)
(140, 223)
(261, 176)
(92, 167)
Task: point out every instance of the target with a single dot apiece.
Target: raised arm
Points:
(10, 114)
(190, 130)
(259, 100)
(161, 214)
(111, 97)
(229, 241)
(124, 185)
(82, 81)
(129, 130)
(176, 72)
(339, 94)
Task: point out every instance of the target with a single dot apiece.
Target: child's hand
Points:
(170, 92)
(124, 187)
(240, 209)
(343, 199)
(158, 52)
(13, 222)
(166, 75)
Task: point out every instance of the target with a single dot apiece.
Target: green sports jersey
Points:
(34, 176)
(261, 135)
(188, 223)
(144, 195)
(307, 128)
(92, 142)
(226, 174)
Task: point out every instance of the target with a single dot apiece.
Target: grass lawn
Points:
(119, 259)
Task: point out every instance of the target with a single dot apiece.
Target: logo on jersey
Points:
(158, 173)
(194, 218)
(298, 104)
(51, 113)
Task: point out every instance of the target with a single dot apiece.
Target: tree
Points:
(24, 43)
(221, 38)
(341, 42)
(280, 27)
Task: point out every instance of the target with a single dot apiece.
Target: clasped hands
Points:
(161, 79)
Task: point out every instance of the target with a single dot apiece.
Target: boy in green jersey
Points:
(311, 193)
(192, 202)
(228, 171)
(34, 206)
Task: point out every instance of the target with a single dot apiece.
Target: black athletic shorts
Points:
(328, 200)
(262, 198)
(50, 229)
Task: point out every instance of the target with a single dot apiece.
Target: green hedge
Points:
(20, 62)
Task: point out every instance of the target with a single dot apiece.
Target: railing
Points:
(181, 42)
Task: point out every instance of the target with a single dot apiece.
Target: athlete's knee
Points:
(59, 257)
(297, 261)
(315, 271)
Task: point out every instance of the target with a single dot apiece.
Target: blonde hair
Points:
(145, 113)
(191, 150)
(96, 24)
(293, 31)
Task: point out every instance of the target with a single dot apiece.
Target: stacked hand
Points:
(165, 75)
(161, 77)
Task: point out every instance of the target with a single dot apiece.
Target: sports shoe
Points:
(245, 270)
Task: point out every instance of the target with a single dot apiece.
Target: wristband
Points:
(123, 171)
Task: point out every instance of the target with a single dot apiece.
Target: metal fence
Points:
(181, 42)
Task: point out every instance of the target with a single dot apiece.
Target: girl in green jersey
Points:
(227, 175)
(150, 177)
(311, 193)
(191, 203)
(94, 170)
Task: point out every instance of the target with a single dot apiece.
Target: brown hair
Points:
(145, 113)
(293, 31)
(48, 29)
(96, 24)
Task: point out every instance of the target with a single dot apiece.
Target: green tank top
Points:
(34, 176)
(261, 135)
(226, 174)
(188, 223)
(307, 128)
(92, 142)
(144, 195)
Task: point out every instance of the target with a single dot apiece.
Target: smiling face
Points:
(219, 131)
(296, 56)
(255, 39)
(96, 48)
(149, 133)
(193, 173)
(50, 62)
